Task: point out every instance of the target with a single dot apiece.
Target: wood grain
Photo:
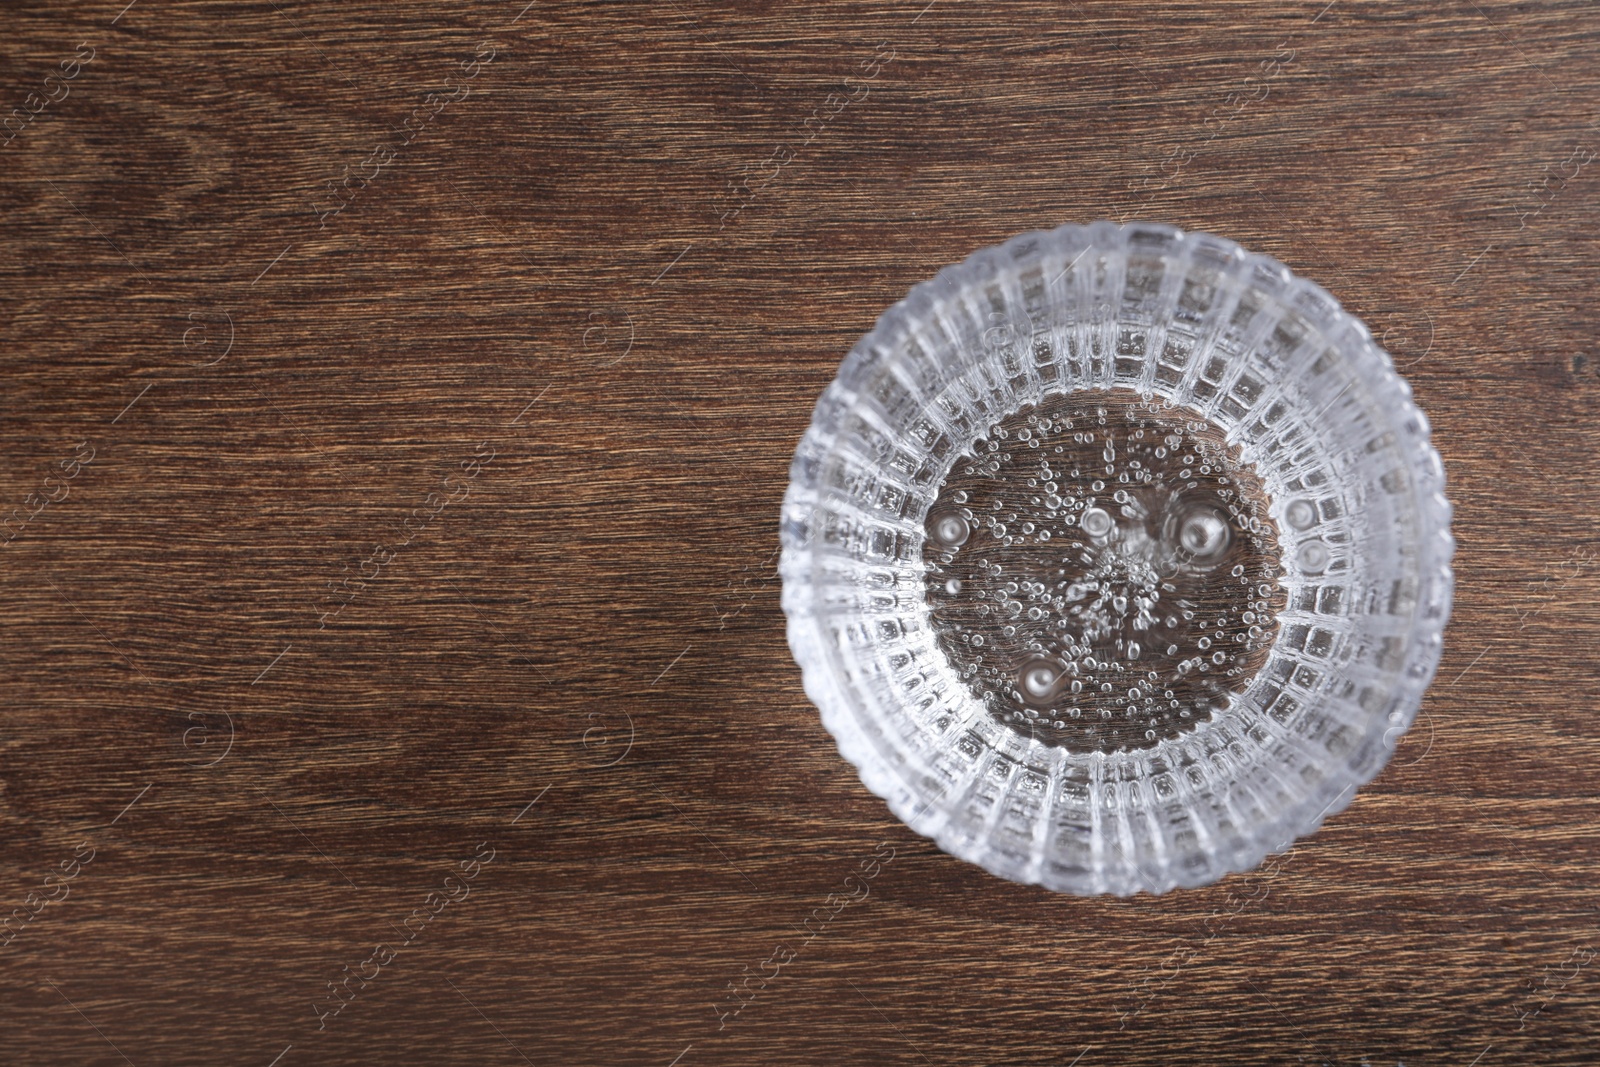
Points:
(283, 269)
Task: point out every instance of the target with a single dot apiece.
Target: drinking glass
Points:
(1116, 558)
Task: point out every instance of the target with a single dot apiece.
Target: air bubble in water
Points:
(951, 529)
(1203, 533)
(1039, 678)
(1096, 523)
(1312, 557)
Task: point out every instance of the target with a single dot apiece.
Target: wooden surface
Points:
(274, 272)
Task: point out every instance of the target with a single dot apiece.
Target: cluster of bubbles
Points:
(1102, 571)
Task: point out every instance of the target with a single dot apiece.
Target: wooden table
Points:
(397, 403)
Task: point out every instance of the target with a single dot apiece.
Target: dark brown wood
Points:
(416, 386)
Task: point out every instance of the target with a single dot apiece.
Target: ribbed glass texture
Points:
(1348, 476)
